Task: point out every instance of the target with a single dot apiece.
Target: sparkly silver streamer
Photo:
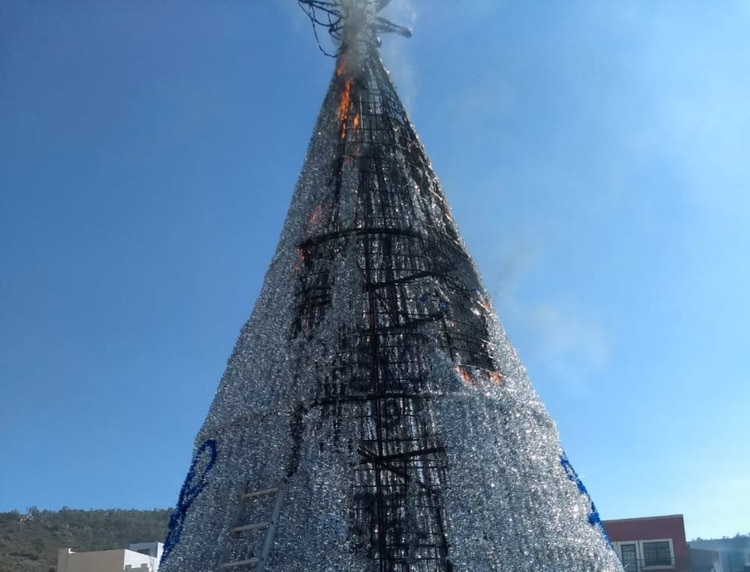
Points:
(374, 384)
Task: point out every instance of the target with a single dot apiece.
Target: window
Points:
(629, 557)
(657, 553)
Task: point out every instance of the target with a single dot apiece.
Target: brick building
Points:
(650, 543)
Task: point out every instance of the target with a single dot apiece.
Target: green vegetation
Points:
(29, 542)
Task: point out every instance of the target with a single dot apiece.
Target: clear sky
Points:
(595, 155)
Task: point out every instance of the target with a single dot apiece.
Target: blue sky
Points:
(595, 155)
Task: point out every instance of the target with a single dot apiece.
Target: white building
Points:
(733, 552)
(140, 557)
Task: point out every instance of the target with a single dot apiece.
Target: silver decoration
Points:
(374, 384)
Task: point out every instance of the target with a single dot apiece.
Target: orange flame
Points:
(355, 122)
(479, 375)
(314, 218)
(482, 303)
(346, 101)
(341, 67)
(496, 377)
(300, 260)
(465, 374)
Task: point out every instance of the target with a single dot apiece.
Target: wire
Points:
(329, 14)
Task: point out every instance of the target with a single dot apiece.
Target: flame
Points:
(465, 374)
(314, 218)
(300, 260)
(482, 303)
(495, 377)
(346, 101)
(341, 67)
(482, 375)
(355, 122)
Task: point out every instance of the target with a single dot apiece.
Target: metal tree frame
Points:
(373, 416)
(415, 288)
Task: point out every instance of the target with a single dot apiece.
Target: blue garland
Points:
(594, 518)
(191, 488)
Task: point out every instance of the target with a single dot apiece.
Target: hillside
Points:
(29, 542)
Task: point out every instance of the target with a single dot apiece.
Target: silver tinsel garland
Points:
(373, 413)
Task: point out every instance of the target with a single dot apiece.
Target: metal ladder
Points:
(242, 531)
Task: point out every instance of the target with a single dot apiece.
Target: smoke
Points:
(357, 14)
(566, 339)
(395, 51)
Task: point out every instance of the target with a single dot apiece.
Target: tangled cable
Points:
(334, 14)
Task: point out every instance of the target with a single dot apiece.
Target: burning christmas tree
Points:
(373, 415)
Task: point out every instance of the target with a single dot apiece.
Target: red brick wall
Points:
(653, 528)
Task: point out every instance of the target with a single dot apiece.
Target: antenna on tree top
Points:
(348, 20)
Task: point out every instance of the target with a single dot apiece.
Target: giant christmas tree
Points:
(373, 415)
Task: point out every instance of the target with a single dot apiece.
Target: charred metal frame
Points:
(414, 287)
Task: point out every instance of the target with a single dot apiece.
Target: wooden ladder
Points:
(248, 523)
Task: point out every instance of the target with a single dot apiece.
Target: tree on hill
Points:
(29, 542)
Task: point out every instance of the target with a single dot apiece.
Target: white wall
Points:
(104, 561)
(137, 560)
